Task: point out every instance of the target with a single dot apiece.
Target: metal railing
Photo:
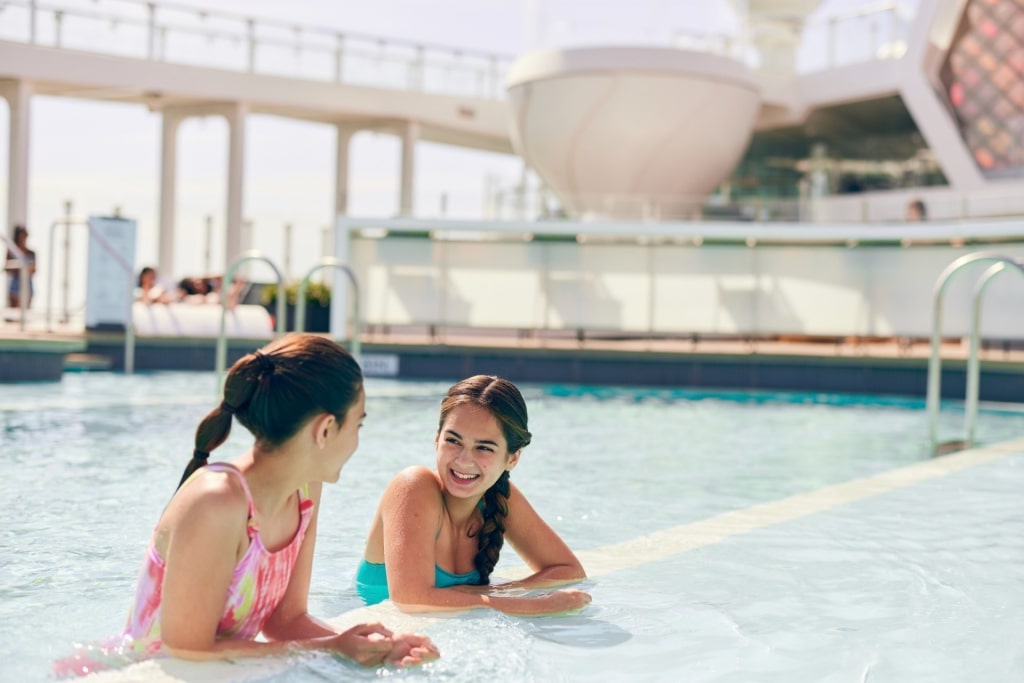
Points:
(973, 358)
(222, 337)
(935, 360)
(23, 277)
(300, 304)
(177, 33)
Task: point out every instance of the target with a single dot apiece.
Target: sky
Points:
(103, 155)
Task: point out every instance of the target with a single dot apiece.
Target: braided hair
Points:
(501, 399)
(273, 392)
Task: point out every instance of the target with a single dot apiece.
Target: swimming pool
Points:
(714, 553)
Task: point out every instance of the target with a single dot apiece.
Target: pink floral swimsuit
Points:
(257, 585)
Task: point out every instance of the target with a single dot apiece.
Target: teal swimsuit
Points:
(372, 581)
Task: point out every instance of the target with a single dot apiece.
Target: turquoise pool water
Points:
(922, 582)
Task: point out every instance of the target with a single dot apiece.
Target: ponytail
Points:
(491, 536)
(274, 391)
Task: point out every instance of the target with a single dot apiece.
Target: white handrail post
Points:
(151, 28)
(66, 285)
(32, 22)
(339, 59)
(58, 18)
(251, 28)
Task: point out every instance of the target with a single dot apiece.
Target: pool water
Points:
(922, 582)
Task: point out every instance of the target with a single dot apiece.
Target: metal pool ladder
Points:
(300, 303)
(229, 276)
(1000, 263)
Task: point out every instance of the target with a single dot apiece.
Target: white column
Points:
(341, 168)
(19, 99)
(410, 134)
(236, 115)
(168, 191)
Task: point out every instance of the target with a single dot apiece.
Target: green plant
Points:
(316, 293)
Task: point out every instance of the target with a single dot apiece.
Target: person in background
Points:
(232, 553)
(437, 535)
(151, 291)
(14, 270)
(916, 211)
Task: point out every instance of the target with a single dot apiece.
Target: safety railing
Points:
(21, 263)
(300, 306)
(178, 33)
(222, 337)
(935, 361)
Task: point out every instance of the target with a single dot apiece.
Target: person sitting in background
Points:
(151, 291)
(207, 290)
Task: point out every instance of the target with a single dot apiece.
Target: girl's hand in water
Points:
(366, 644)
(410, 649)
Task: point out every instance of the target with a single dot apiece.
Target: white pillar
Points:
(168, 191)
(410, 134)
(19, 99)
(235, 114)
(341, 168)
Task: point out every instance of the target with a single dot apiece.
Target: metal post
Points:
(208, 254)
(32, 22)
(339, 59)
(58, 18)
(251, 65)
(973, 359)
(151, 27)
(935, 360)
(67, 261)
(287, 250)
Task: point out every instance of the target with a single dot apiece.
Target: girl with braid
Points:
(232, 553)
(437, 535)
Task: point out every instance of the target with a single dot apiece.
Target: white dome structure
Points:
(631, 131)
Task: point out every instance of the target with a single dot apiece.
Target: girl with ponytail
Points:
(231, 556)
(437, 535)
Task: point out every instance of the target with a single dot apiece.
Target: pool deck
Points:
(855, 365)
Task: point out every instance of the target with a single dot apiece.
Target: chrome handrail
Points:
(300, 304)
(973, 361)
(229, 276)
(935, 361)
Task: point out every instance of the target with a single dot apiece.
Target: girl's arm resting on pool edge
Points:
(410, 510)
(201, 554)
(291, 620)
(552, 561)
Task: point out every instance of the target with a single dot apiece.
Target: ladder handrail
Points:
(222, 338)
(973, 361)
(300, 304)
(935, 361)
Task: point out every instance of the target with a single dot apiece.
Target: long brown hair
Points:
(274, 391)
(501, 399)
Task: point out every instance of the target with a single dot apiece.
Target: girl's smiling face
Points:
(471, 451)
